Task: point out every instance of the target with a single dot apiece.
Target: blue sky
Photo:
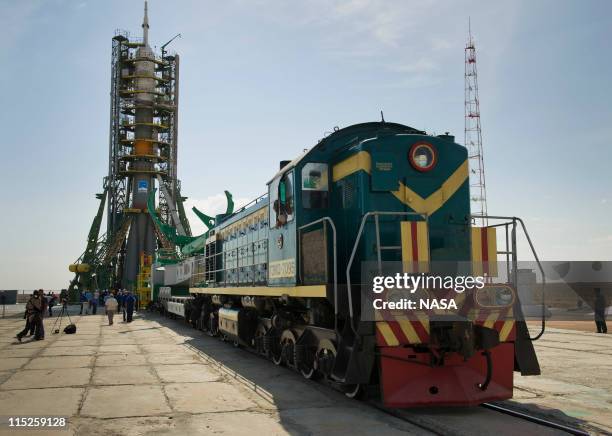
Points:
(262, 80)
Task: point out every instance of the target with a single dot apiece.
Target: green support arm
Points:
(209, 221)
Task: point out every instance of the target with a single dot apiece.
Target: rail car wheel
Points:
(213, 328)
(307, 364)
(286, 350)
(258, 340)
(354, 391)
(325, 357)
(308, 371)
(277, 355)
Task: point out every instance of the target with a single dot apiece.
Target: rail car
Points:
(282, 275)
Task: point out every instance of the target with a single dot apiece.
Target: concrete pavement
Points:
(145, 377)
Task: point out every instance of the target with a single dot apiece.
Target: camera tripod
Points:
(60, 317)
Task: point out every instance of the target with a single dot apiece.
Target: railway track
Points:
(535, 419)
(480, 420)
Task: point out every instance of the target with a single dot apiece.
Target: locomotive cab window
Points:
(315, 187)
(281, 200)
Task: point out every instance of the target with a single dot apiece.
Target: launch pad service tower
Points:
(142, 170)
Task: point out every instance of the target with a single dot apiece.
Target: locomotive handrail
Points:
(378, 248)
(333, 226)
(515, 219)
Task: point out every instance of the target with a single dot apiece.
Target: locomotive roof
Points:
(339, 138)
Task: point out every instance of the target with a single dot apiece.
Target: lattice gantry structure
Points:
(142, 155)
(473, 133)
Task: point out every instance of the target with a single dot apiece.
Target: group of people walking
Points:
(113, 301)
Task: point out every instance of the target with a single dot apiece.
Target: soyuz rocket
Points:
(141, 237)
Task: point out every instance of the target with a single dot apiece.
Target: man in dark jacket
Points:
(50, 303)
(600, 312)
(39, 334)
(34, 310)
(129, 302)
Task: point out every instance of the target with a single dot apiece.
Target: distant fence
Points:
(19, 296)
(8, 297)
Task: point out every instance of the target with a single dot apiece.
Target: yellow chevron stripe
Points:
(387, 333)
(490, 322)
(505, 331)
(358, 161)
(408, 330)
(424, 319)
(432, 203)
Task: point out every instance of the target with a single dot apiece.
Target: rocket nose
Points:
(145, 24)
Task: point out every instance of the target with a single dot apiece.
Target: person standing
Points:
(600, 312)
(119, 298)
(51, 303)
(94, 302)
(39, 333)
(29, 310)
(129, 302)
(82, 300)
(88, 298)
(33, 311)
(111, 307)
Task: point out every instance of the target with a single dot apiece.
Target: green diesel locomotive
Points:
(283, 275)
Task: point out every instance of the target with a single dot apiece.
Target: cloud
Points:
(440, 44)
(420, 66)
(211, 205)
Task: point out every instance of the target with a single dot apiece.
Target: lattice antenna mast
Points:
(473, 134)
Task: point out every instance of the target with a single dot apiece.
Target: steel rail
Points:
(535, 419)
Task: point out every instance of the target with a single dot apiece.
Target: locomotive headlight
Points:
(422, 156)
(495, 296)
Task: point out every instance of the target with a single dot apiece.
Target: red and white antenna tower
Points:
(473, 134)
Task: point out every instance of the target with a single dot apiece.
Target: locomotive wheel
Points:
(308, 371)
(213, 329)
(258, 340)
(354, 391)
(325, 357)
(277, 355)
(285, 352)
(308, 368)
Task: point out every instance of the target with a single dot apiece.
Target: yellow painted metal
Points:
(415, 260)
(158, 125)
(143, 285)
(479, 265)
(316, 291)
(358, 162)
(145, 76)
(435, 201)
(79, 267)
(148, 156)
